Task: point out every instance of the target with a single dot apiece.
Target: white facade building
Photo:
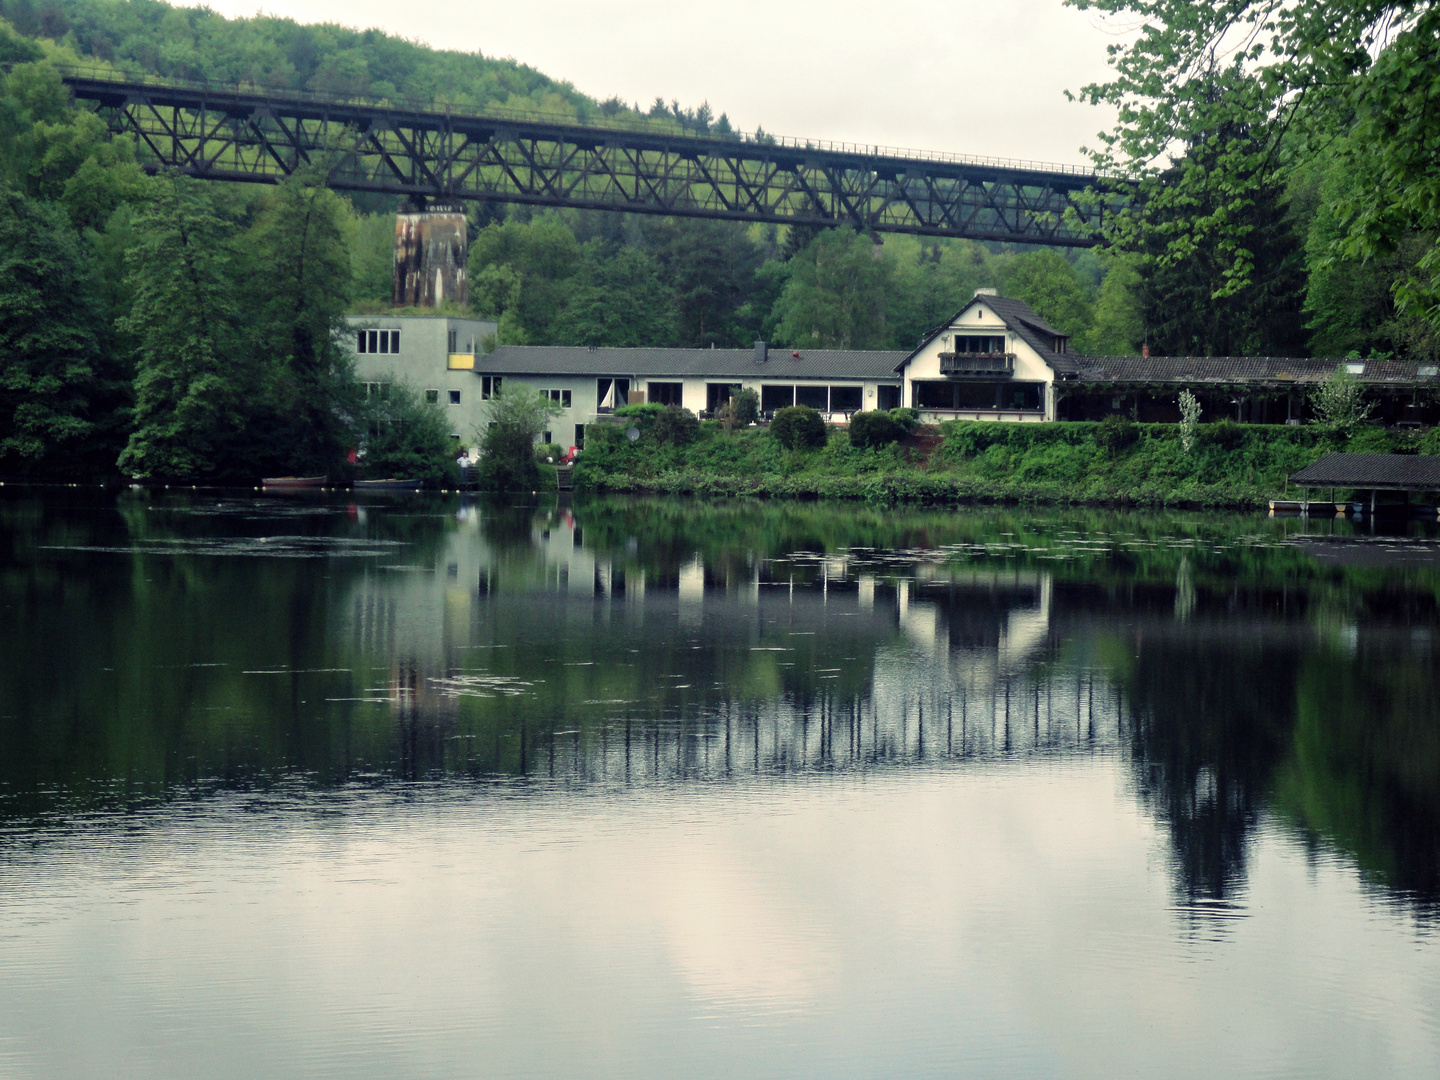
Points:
(434, 354)
(447, 359)
(995, 360)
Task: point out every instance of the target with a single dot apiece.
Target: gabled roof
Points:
(690, 363)
(1198, 370)
(1019, 317)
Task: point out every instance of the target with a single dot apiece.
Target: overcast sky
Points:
(965, 76)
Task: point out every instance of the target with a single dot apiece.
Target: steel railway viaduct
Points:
(432, 155)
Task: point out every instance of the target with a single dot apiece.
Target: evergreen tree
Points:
(619, 299)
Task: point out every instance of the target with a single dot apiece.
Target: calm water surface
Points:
(310, 788)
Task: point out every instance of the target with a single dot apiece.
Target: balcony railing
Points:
(977, 363)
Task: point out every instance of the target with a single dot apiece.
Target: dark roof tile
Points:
(690, 363)
(1197, 370)
(1415, 472)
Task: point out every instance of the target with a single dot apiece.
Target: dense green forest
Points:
(180, 330)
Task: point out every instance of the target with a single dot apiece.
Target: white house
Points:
(995, 360)
(590, 382)
(455, 363)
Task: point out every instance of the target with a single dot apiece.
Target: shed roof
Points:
(1222, 370)
(691, 363)
(1405, 472)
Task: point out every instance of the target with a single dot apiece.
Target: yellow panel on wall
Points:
(462, 361)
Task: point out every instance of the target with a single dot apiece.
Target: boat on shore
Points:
(293, 482)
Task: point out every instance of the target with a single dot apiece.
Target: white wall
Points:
(980, 319)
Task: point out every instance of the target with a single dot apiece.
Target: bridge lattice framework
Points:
(435, 155)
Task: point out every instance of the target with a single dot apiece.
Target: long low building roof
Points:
(1226, 370)
(691, 363)
(1406, 472)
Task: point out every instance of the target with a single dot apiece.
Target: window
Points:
(825, 399)
(666, 393)
(1355, 369)
(718, 394)
(454, 397)
(816, 397)
(846, 399)
(489, 386)
(560, 397)
(377, 341)
(452, 341)
(776, 397)
(610, 394)
(545, 437)
(979, 396)
(580, 442)
(979, 343)
(889, 397)
(432, 397)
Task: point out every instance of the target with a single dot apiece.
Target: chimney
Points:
(987, 292)
(762, 352)
(431, 250)
(1145, 351)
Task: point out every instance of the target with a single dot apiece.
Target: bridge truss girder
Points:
(256, 137)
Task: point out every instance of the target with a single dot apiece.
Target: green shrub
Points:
(674, 426)
(908, 419)
(548, 452)
(1116, 433)
(406, 436)
(868, 429)
(1226, 434)
(798, 426)
(742, 410)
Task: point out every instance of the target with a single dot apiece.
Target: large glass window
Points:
(889, 397)
(717, 394)
(559, 397)
(610, 394)
(846, 399)
(974, 396)
(816, 397)
(776, 397)
(489, 386)
(666, 393)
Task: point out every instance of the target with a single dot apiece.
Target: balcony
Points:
(989, 364)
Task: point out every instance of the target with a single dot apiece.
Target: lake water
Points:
(624, 788)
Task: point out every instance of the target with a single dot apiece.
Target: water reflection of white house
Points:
(917, 639)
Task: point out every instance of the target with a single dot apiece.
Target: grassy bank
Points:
(1230, 465)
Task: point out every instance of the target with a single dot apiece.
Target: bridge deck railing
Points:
(631, 123)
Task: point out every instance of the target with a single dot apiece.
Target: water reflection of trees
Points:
(637, 643)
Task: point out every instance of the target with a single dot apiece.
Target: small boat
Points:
(293, 481)
(389, 484)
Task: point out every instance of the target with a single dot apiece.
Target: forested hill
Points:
(150, 37)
